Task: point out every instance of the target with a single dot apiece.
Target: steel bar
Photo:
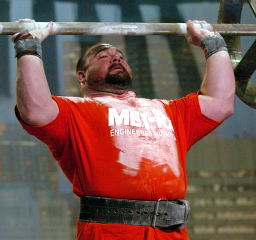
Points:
(230, 12)
(247, 65)
(100, 28)
(243, 72)
(253, 5)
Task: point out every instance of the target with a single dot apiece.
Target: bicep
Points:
(53, 133)
(213, 108)
(41, 116)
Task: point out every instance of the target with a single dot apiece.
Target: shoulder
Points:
(191, 98)
(68, 100)
(71, 99)
(81, 105)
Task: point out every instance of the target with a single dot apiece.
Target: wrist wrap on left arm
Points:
(26, 44)
(213, 44)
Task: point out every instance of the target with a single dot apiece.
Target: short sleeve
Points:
(190, 123)
(54, 133)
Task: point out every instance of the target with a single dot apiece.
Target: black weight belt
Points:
(159, 214)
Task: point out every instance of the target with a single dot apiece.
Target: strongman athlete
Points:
(124, 155)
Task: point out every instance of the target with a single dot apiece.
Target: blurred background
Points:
(36, 202)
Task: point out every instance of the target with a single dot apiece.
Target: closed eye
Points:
(103, 56)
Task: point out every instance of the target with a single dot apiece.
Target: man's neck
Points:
(106, 90)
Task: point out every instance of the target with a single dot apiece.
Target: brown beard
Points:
(118, 81)
(121, 79)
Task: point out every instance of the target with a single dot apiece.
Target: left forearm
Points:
(219, 80)
(218, 87)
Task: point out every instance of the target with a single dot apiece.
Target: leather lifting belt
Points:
(159, 214)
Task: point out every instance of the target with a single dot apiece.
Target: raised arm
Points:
(218, 86)
(34, 100)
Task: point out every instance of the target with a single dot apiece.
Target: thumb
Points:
(44, 32)
(48, 30)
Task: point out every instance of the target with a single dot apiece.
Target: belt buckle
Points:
(156, 211)
(187, 210)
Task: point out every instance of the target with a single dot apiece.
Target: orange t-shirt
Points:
(121, 146)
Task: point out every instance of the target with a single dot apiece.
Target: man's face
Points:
(108, 71)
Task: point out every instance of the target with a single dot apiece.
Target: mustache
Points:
(117, 65)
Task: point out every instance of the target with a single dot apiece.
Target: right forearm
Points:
(34, 99)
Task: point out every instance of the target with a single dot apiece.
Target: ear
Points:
(81, 77)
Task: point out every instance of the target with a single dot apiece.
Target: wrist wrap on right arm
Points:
(26, 44)
(213, 44)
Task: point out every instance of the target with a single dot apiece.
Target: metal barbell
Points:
(229, 30)
(108, 28)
